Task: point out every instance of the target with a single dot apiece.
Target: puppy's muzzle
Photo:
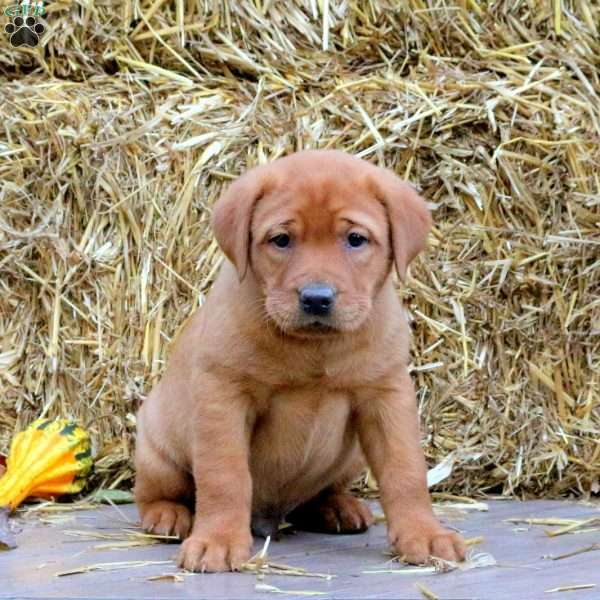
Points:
(317, 299)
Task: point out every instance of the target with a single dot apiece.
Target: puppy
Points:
(293, 370)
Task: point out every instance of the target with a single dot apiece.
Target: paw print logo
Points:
(24, 32)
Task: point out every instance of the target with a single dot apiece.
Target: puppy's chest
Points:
(299, 444)
(297, 425)
(326, 372)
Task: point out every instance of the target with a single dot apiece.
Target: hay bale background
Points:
(116, 139)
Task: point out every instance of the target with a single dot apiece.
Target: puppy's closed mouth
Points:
(318, 327)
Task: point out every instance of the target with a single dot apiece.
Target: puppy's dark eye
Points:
(281, 241)
(355, 240)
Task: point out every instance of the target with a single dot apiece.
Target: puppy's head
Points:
(319, 231)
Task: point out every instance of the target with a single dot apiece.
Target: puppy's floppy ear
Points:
(408, 216)
(232, 217)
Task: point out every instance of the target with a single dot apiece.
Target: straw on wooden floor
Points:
(121, 129)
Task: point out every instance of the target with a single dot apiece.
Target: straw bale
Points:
(118, 133)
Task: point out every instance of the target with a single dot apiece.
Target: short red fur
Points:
(265, 412)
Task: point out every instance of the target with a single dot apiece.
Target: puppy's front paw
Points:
(417, 541)
(215, 552)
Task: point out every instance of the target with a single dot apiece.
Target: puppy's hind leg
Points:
(335, 509)
(161, 490)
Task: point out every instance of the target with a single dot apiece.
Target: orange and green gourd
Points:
(50, 458)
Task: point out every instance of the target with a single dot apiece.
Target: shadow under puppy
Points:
(294, 370)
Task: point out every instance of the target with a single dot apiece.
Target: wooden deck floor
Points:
(524, 568)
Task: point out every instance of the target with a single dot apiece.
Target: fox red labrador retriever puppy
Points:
(293, 370)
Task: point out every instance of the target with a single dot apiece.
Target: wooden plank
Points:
(524, 568)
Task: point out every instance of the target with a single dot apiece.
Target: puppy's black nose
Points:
(317, 299)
